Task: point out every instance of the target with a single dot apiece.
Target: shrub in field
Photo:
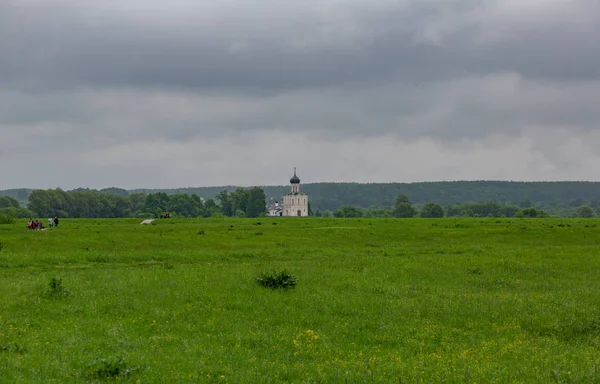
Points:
(4, 219)
(56, 288)
(109, 369)
(277, 280)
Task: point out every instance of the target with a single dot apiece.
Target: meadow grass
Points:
(376, 301)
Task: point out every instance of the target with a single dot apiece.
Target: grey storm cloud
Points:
(270, 45)
(460, 89)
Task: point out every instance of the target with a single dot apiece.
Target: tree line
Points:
(404, 208)
(461, 198)
(95, 204)
(561, 198)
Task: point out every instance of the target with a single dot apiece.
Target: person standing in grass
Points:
(56, 221)
(49, 222)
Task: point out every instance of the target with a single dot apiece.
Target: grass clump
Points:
(168, 265)
(56, 288)
(277, 279)
(109, 369)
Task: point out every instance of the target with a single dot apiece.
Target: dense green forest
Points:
(331, 196)
(460, 198)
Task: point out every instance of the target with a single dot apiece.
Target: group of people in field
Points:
(39, 226)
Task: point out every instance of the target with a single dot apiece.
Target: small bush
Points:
(4, 219)
(109, 369)
(201, 232)
(56, 288)
(277, 280)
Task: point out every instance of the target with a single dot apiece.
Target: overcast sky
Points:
(168, 94)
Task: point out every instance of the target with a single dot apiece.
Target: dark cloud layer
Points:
(148, 93)
(269, 45)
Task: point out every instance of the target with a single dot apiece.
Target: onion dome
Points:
(294, 179)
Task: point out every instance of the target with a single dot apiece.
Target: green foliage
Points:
(377, 213)
(184, 205)
(402, 199)
(19, 213)
(93, 204)
(156, 203)
(243, 202)
(277, 279)
(256, 202)
(109, 368)
(532, 213)
(226, 203)
(466, 213)
(585, 211)
(4, 219)
(56, 288)
(482, 209)
(404, 210)
(52, 202)
(8, 202)
(348, 211)
(432, 210)
(460, 198)
(1, 246)
(211, 209)
(115, 191)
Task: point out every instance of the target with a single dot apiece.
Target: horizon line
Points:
(316, 182)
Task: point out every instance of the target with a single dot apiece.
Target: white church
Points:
(295, 203)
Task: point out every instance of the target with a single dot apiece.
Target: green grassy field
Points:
(377, 301)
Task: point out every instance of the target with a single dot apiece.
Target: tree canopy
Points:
(459, 199)
(432, 210)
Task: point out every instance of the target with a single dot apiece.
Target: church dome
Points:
(294, 179)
